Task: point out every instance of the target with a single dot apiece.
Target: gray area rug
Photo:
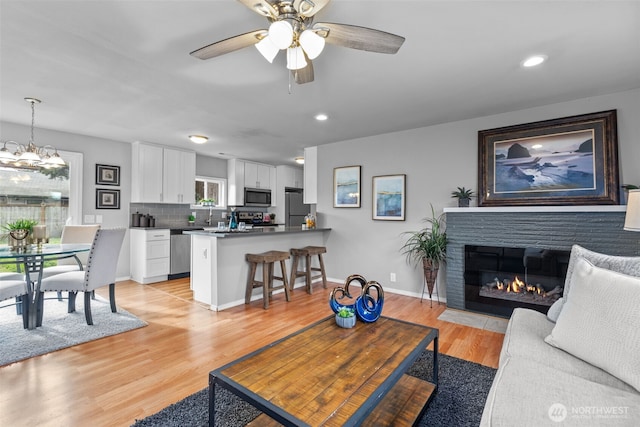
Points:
(462, 391)
(59, 329)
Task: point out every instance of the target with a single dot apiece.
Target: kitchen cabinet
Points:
(162, 175)
(179, 176)
(310, 175)
(241, 174)
(150, 255)
(289, 177)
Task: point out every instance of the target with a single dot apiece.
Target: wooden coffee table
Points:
(324, 375)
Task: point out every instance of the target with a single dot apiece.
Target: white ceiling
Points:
(121, 69)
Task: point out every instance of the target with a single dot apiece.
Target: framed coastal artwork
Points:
(389, 197)
(346, 187)
(566, 161)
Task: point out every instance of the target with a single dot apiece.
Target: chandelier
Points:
(30, 155)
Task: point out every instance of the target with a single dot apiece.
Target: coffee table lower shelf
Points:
(403, 405)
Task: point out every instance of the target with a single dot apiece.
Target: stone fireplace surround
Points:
(598, 228)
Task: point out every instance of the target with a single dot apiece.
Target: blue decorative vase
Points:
(339, 293)
(346, 322)
(368, 309)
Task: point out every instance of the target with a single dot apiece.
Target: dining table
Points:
(31, 260)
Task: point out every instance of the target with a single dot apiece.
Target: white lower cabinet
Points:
(150, 252)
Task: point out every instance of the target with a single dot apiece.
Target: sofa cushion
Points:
(524, 339)
(625, 265)
(600, 321)
(527, 393)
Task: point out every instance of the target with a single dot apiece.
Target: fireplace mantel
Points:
(515, 209)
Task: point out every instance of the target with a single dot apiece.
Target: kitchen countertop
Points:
(253, 232)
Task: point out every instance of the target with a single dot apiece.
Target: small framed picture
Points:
(389, 197)
(346, 187)
(107, 175)
(107, 199)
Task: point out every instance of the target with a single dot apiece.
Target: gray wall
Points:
(436, 160)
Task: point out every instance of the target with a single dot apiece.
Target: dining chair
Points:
(101, 271)
(19, 290)
(74, 262)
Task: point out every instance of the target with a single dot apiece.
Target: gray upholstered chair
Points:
(100, 271)
(16, 289)
(76, 262)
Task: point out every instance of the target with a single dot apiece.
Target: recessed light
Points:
(198, 139)
(533, 61)
(299, 160)
(321, 117)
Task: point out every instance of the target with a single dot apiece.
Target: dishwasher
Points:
(180, 252)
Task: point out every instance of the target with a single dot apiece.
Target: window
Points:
(211, 191)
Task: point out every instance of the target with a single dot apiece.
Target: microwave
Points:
(257, 197)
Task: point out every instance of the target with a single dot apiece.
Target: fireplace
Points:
(499, 279)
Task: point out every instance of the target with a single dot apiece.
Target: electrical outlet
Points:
(193, 213)
(98, 219)
(392, 277)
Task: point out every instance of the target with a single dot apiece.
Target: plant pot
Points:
(346, 322)
(430, 274)
(463, 203)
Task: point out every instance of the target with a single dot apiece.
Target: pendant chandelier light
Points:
(30, 155)
(300, 45)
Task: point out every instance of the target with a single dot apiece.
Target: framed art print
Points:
(566, 161)
(107, 199)
(346, 187)
(389, 197)
(107, 175)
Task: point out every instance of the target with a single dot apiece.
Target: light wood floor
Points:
(116, 380)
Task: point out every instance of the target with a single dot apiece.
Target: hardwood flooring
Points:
(116, 380)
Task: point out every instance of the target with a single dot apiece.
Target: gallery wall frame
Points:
(347, 186)
(107, 175)
(565, 161)
(107, 199)
(389, 197)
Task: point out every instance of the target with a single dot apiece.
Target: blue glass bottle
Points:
(233, 222)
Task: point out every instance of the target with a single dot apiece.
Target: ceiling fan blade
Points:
(304, 75)
(308, 8)
(361, 38)
(228, 45)
(261, 7)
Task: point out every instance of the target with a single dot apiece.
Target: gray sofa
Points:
(543, 377)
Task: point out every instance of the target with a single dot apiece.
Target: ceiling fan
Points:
(292, 29)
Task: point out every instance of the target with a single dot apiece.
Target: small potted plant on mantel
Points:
(463, 195)
(429, 246)
(345, 317)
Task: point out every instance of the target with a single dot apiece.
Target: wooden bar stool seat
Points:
(307, 253)
(267, 260)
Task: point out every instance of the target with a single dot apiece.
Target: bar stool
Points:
(267, 259)
(307, 252)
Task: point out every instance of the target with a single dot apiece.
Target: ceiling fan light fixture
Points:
(267, 49)
(281, 34)
(295, 58)
(312, 43)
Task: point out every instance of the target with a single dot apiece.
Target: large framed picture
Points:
(107, 199)
(107, 175)
(565, 161)
(346, 187)
(389, 197)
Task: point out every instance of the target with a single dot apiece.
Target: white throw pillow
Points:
(620, 264)
(600, 321)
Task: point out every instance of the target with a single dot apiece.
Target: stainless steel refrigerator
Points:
(295, 210)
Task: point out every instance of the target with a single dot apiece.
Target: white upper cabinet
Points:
(241, 174)
(310, 195)
(289, 177)
(257, 175)
(162, 175)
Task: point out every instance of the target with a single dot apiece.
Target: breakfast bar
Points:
(218, 267)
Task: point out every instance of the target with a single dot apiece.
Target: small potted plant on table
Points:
(345, 317)
(18, 232)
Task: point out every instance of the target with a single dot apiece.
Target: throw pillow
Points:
(600, 321)
(621, 264)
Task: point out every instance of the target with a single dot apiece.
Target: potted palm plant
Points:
(428, 247)
(463, 195)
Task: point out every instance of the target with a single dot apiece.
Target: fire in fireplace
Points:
(499, 279)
